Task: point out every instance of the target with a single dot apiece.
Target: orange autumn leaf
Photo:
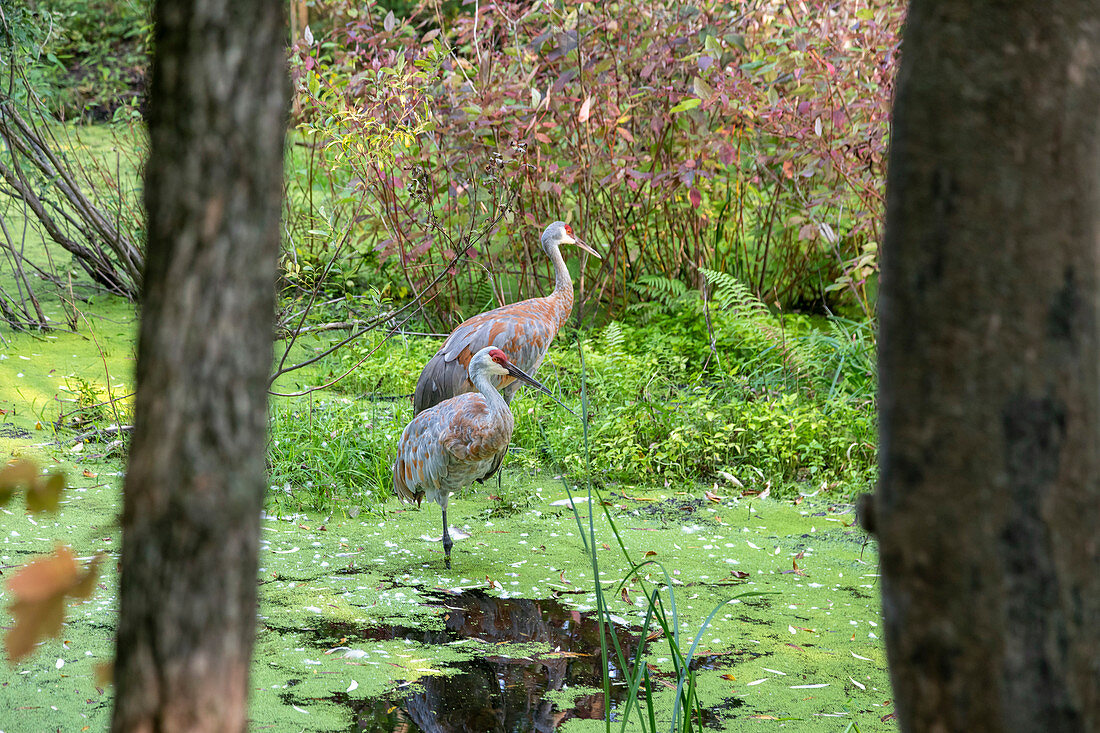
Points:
(45, 496)
(43, 493)
(18, 473)
(40, 590)
(104, 673)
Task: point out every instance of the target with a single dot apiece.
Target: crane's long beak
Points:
(586, 248)
(523, 376)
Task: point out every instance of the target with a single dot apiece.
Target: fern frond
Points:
(613, 338)
(733, 295)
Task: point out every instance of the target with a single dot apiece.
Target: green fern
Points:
(612, 339)
(483, 294)
(658, 295)
(664, 290)
(733, 295)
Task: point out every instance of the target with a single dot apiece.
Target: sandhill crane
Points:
(524, 330)
(460, 440)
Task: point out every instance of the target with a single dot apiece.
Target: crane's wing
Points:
(472, 436)
(495, 467)
(523, 331)
(422, 460)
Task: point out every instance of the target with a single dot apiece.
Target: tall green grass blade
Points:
(602, 613)
(649, 701)
(635, 677)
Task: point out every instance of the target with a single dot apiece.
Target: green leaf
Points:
(686, 104)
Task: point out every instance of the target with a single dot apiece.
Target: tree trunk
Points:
(195, 484)
(988, 511)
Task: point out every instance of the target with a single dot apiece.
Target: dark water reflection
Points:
(494, 693)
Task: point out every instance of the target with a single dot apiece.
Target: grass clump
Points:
(333, 454)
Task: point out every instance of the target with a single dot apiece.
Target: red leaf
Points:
(696, 198)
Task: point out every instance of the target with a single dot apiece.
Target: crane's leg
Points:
(446, 541)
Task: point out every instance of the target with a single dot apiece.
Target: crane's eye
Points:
(569, 230)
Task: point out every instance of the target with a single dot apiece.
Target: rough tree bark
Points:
(194, 488)
(988, 510)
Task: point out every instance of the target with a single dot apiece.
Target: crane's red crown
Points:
(569, 230)
(498, 356)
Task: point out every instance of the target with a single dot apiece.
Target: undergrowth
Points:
(332, 455)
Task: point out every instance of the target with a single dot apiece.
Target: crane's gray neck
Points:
(493, 399)
(562, 278)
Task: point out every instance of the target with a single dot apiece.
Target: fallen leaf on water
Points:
(729, 677)
(712, 496)
(650, 553)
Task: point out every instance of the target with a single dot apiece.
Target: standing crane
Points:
(461, 440)
(523, 329)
